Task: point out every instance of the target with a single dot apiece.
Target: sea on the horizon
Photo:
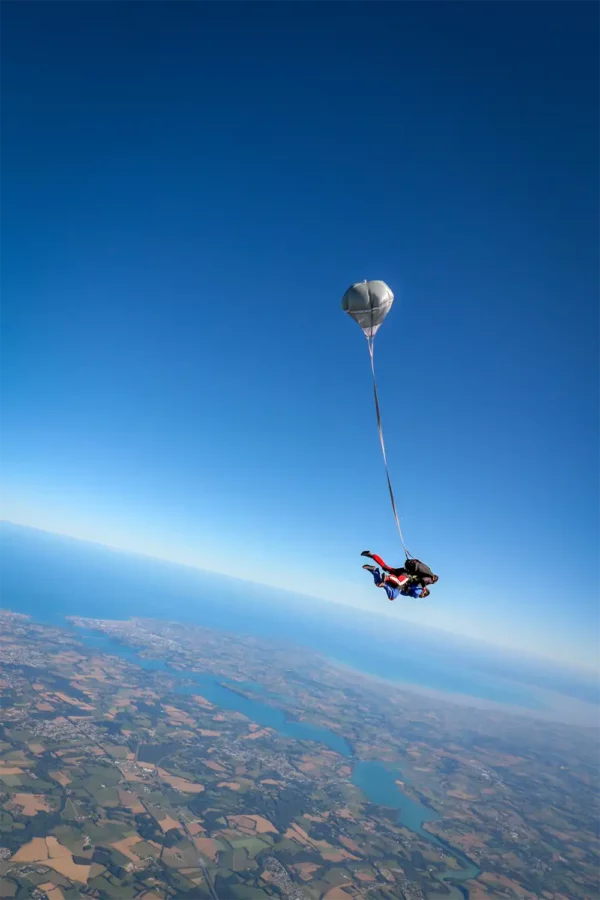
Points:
(49, 577)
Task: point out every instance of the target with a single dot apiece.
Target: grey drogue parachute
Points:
(368, 303)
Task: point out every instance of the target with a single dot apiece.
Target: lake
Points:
(216, 692)
(378, 784)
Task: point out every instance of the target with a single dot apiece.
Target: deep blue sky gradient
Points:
(188, 189)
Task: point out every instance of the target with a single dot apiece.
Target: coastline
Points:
(566, 710)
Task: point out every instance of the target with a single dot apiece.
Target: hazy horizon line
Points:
(580, 668)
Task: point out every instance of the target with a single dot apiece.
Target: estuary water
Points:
(376, 781)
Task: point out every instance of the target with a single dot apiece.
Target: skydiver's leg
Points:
(390, 589)
(378, 560)
(390, 583)
(425, 582)
(378, 576)
(400, 571)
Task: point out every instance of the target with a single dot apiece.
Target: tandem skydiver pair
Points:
(411, 580)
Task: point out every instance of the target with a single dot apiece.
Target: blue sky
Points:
(188, 189)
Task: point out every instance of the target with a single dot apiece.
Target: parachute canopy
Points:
(368, 303)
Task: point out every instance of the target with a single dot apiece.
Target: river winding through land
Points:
(376, 781)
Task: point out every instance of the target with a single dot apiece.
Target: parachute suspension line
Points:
(370, 342)
(368, 303)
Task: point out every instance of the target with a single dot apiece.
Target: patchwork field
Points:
(117, 784)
